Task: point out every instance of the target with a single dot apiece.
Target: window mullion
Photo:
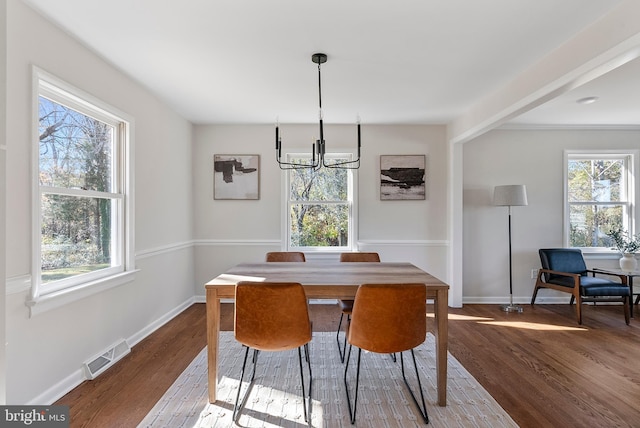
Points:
(604, 204)
(79, 192)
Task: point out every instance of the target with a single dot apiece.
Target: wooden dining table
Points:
(327, 280)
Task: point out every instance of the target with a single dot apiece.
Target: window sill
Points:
(57, 299)
(601, 255)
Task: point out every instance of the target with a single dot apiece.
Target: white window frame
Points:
(44, 297)
(352, 186)
(630, 195)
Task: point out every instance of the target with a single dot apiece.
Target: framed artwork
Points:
(236, 177)
(402, 177)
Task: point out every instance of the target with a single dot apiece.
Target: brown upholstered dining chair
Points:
(346, 306)
(272, 316)
(285, 256)
(387, 319)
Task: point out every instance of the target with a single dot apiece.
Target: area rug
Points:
(275, 399)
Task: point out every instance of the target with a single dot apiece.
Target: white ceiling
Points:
(406, 62)
(617, 102)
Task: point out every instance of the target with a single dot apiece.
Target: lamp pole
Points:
(510, 307)
(510, 195)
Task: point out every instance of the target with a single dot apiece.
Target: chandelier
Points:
(318, 148)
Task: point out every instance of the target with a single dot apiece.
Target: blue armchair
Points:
(564, 269)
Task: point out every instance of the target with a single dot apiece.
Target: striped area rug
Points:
(275, 401)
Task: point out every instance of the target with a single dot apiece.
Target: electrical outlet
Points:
(534, 273)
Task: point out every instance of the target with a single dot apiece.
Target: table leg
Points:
(630, 279)
(441, 334)
(213, 332)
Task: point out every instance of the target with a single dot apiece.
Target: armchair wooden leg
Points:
(627, 311)
(535, 294)
(578, 308)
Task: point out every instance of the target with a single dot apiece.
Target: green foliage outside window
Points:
(595, 196)
(75, 159)
(319, 207)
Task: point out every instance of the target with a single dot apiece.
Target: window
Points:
(82, 221)
(599, 198)
(320, 209)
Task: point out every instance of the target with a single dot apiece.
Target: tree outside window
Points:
(75, 154)
(319, 206)
(598, 198)
(80, 180)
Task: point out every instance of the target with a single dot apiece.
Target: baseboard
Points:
(67, 384)
(516, 300)
(203, 299)
(524, 301)
(323, 301)
(60, 389)
(148, 330)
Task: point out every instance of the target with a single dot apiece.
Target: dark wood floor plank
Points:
(125, 393)
(565, 374)
(540, 366)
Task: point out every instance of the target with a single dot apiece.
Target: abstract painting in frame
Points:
(402, 177)
(236, 177)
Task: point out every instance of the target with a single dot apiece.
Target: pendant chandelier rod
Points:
(318, 148)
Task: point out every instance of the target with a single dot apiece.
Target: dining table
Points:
(328, 280)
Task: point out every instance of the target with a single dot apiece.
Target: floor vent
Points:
(99, 364)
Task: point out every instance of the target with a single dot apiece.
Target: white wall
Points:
(230, 232)
(533, 158)
(45, 353)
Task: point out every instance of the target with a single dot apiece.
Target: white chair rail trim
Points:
(169, 248)
(22, 283)
(405, 243)
(18, 284)
(221, 242)
(387, 242)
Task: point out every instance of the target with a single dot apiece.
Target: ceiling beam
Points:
(603, 46)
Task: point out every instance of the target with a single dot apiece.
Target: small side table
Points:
(630, 275)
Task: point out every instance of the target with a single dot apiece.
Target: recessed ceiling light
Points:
(587, 100)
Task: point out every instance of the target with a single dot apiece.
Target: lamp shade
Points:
(511, 195)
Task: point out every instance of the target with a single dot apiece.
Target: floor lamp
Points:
(512, 195)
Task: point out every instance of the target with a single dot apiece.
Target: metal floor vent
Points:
(99, 364)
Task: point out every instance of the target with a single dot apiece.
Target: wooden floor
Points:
(543, 369)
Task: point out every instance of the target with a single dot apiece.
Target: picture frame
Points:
(236, 177)
(402, 177)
